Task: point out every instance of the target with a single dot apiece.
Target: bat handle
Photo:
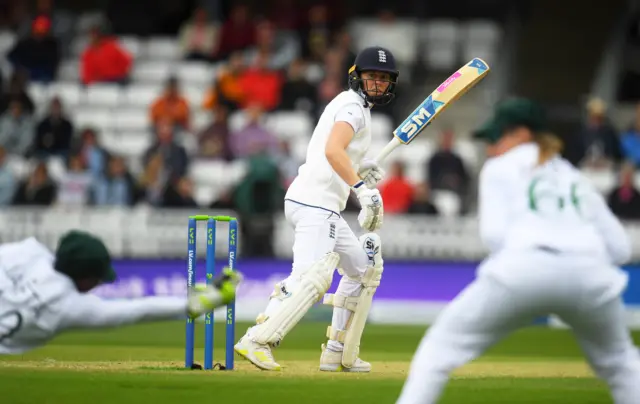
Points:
(391, 146)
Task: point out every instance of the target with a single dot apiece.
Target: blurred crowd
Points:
(295, 62)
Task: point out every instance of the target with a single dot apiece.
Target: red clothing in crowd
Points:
(105, 61)
(262, 87)
(236, 37)
(397, 195)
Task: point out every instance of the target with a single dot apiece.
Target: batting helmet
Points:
(374, 59)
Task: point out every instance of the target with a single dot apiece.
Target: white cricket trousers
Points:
(316, 233)
(509, 293)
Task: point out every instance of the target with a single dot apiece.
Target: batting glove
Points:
(371, 209)
(371, 173)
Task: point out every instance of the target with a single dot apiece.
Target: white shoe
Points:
(331, 361)
(258, 354)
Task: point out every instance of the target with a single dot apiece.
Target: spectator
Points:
(297, 93)
(213, 141)
(154, 179)
(600, 144)
(344, 48)
(7, 180)
(446, 170)
(91, 152)
(421, 203)
(254, 136)
(631, 141)
(226, 88)
(38, 54)
(199, 37)
(37, 190)
(171, 106)
(624, 200)
(316, 36)
(285, 15)
(281, 48)
(17, 92)
(261, 85)
(116, 187)
(16, 130)
(174, 156)
(75, 183)
(54, 133)
(328, 89)
(238, 33)
(396, 191)
(179, 194)
(258, 196)
(62, 22)
(104, 60)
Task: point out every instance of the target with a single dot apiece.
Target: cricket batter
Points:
(42, 294)
(334, 166)
(555, 248)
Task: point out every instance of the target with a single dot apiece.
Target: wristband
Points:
(358, 184)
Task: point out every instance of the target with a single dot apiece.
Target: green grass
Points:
(142, 363)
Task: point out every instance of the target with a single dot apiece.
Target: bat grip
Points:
(391, 146)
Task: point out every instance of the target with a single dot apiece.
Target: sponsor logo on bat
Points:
(448, 81)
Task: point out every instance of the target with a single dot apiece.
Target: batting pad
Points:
(313, 284)
(360, 306)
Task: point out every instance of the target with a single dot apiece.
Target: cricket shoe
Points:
(331, 361)
(258, 354)
(205, 298)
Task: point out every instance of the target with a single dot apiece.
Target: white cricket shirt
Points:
(317, 184)
(523, 205)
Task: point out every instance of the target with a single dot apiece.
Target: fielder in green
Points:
(554, 248)
(43, 294)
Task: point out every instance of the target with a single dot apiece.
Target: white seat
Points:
(131, 120)
(19, 166)
(100, 119)
(417, 153)
(237, 120)
(7, 41)
(289, 125)
(69, 70)
(400, 37)
(152, 72)
(130, 146)
(162, 49)
(200, 119)
(104, 95)
(142, 95)
(440, 39)
(195, 74)
(131, 44)
(56, 167)
(381, 127)
(71, 94)
(207, 172)
(39, 92)
(193, 94)
(298, 147)
(235, 171)
(448, 203)
(204, 194)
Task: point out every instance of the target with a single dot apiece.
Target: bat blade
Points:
(440, 99)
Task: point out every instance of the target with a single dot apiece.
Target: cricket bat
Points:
(440, 99)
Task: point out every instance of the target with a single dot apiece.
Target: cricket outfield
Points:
(144, 364)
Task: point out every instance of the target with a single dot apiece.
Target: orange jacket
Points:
(175, 110)
(105, 61)
(261, 86)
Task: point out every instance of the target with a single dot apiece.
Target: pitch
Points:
(144, 363)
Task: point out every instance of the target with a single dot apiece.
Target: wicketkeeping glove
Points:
(371, 209)
(371, 173)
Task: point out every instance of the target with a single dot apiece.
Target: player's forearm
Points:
(341, 164)
(104, 313)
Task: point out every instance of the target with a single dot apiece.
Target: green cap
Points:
(81, 255)
(509, 114)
